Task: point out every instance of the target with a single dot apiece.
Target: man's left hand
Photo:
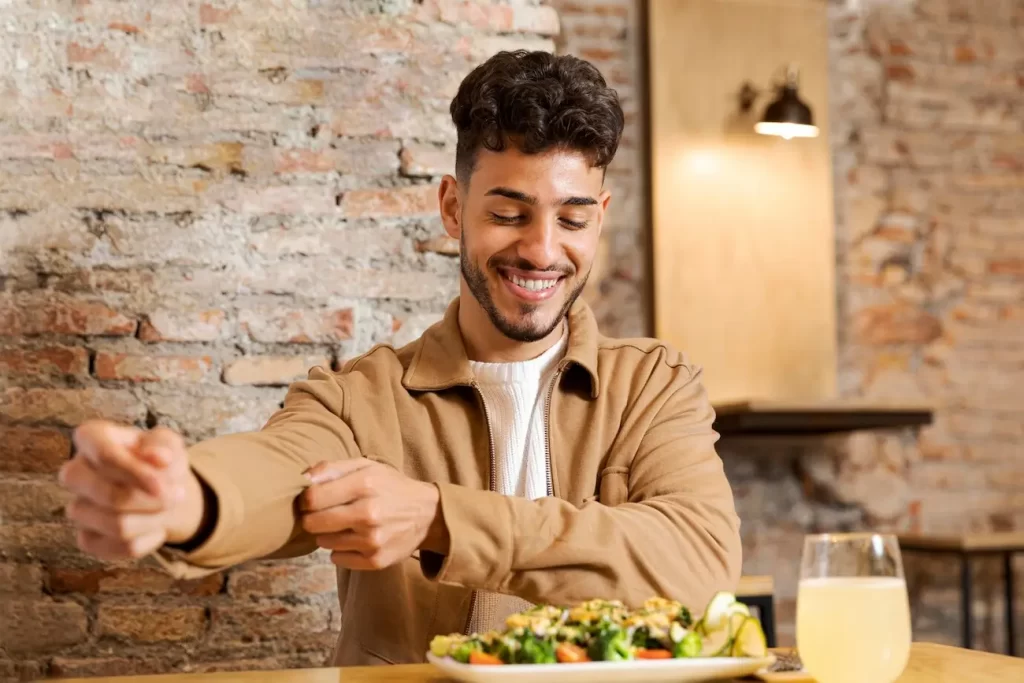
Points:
(369, 515)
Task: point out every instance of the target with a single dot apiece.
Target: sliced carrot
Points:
(568, 653)
(477, 657)
(653, 654)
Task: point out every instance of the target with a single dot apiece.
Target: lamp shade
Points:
(788, 116)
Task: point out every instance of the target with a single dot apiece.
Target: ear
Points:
(602, 202)
(451, 206)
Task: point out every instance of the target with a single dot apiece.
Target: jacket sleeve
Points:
(255, 478)
(677, 536)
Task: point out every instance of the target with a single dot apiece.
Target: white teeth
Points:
(533, 285)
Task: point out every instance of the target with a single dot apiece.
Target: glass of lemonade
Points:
(852, 612)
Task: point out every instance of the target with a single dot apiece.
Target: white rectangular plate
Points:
(649, 671)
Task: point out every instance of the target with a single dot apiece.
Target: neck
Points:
(486, 344)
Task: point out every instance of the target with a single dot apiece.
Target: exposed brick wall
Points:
(198, 202)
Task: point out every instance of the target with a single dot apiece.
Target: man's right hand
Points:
(133, 490)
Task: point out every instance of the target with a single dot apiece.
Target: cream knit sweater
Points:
(515, 395)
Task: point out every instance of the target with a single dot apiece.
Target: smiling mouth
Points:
(530, 286)
(534, 285)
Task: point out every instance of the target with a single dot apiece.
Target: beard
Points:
(520, 331)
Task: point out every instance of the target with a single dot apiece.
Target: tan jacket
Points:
(640, 503)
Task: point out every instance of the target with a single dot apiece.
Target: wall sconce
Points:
(787, 116)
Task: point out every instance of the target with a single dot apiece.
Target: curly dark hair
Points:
(536, 101)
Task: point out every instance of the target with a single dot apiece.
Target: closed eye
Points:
(575, 225)
(506, 220)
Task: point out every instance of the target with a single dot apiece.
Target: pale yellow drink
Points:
(853, 630)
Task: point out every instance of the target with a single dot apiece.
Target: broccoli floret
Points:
(689, 646)
(684, 617)
(610, 644)
(534, 650)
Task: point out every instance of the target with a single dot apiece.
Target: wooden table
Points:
(966, 546)
(928, 664)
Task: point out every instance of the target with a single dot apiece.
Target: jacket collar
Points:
(440, 361)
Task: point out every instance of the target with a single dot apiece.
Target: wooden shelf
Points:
(768, 418)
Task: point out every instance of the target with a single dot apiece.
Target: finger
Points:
(107, 548)
(91, 517)
(335, 492)
(350, 540)
(162, 447)
(325, 471)
(80, 478)
(359, 562)
(110, 447)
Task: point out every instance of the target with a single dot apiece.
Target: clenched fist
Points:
(370, 515)
(133, 490)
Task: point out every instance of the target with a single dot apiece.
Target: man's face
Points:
(528, 227)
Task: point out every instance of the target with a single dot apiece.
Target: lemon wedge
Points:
(748, 639)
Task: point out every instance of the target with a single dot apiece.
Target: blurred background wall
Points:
(199, 200)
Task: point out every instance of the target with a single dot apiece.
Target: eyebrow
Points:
(516, 195)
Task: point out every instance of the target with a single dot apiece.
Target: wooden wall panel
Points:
(742, 224)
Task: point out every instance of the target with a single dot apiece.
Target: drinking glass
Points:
(852, 611)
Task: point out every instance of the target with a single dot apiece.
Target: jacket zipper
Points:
(547, 429)
(492, 485)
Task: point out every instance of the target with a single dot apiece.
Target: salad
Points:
(605, 630)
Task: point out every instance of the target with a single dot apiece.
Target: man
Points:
(511, 455)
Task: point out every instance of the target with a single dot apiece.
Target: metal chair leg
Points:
(965, 600)
(1011, 635)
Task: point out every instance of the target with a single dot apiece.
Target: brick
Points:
(184, 326)
(22, 670)
(22, 500)
(41, 625)
(298, 326)
(138, 368)
(422, 160)
(70, 407)
(287, 580)
(45, 363)
(442, 244)
(309, 660)
(348, 157)
(129, 581)
(33, 449)
(250, 623)
(272, 370)
(151, 624)
(34, 542)
(72, 667)
(24, 316)
(404, 201)
(20, 579)
(895, 324)
(223, 157)
(215, 411)
(280, 199)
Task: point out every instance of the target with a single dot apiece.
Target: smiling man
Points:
(511, 455)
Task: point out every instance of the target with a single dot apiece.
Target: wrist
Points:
(186, 517)
(436, 538)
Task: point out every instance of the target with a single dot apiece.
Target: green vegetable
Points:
(461, 652)
(610, 645)
(534, 650)
(640, 636)
(689, 646)
(684, 617)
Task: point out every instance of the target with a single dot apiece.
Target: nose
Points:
(538, 243)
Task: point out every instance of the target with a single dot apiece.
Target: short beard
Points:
(476, 280)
